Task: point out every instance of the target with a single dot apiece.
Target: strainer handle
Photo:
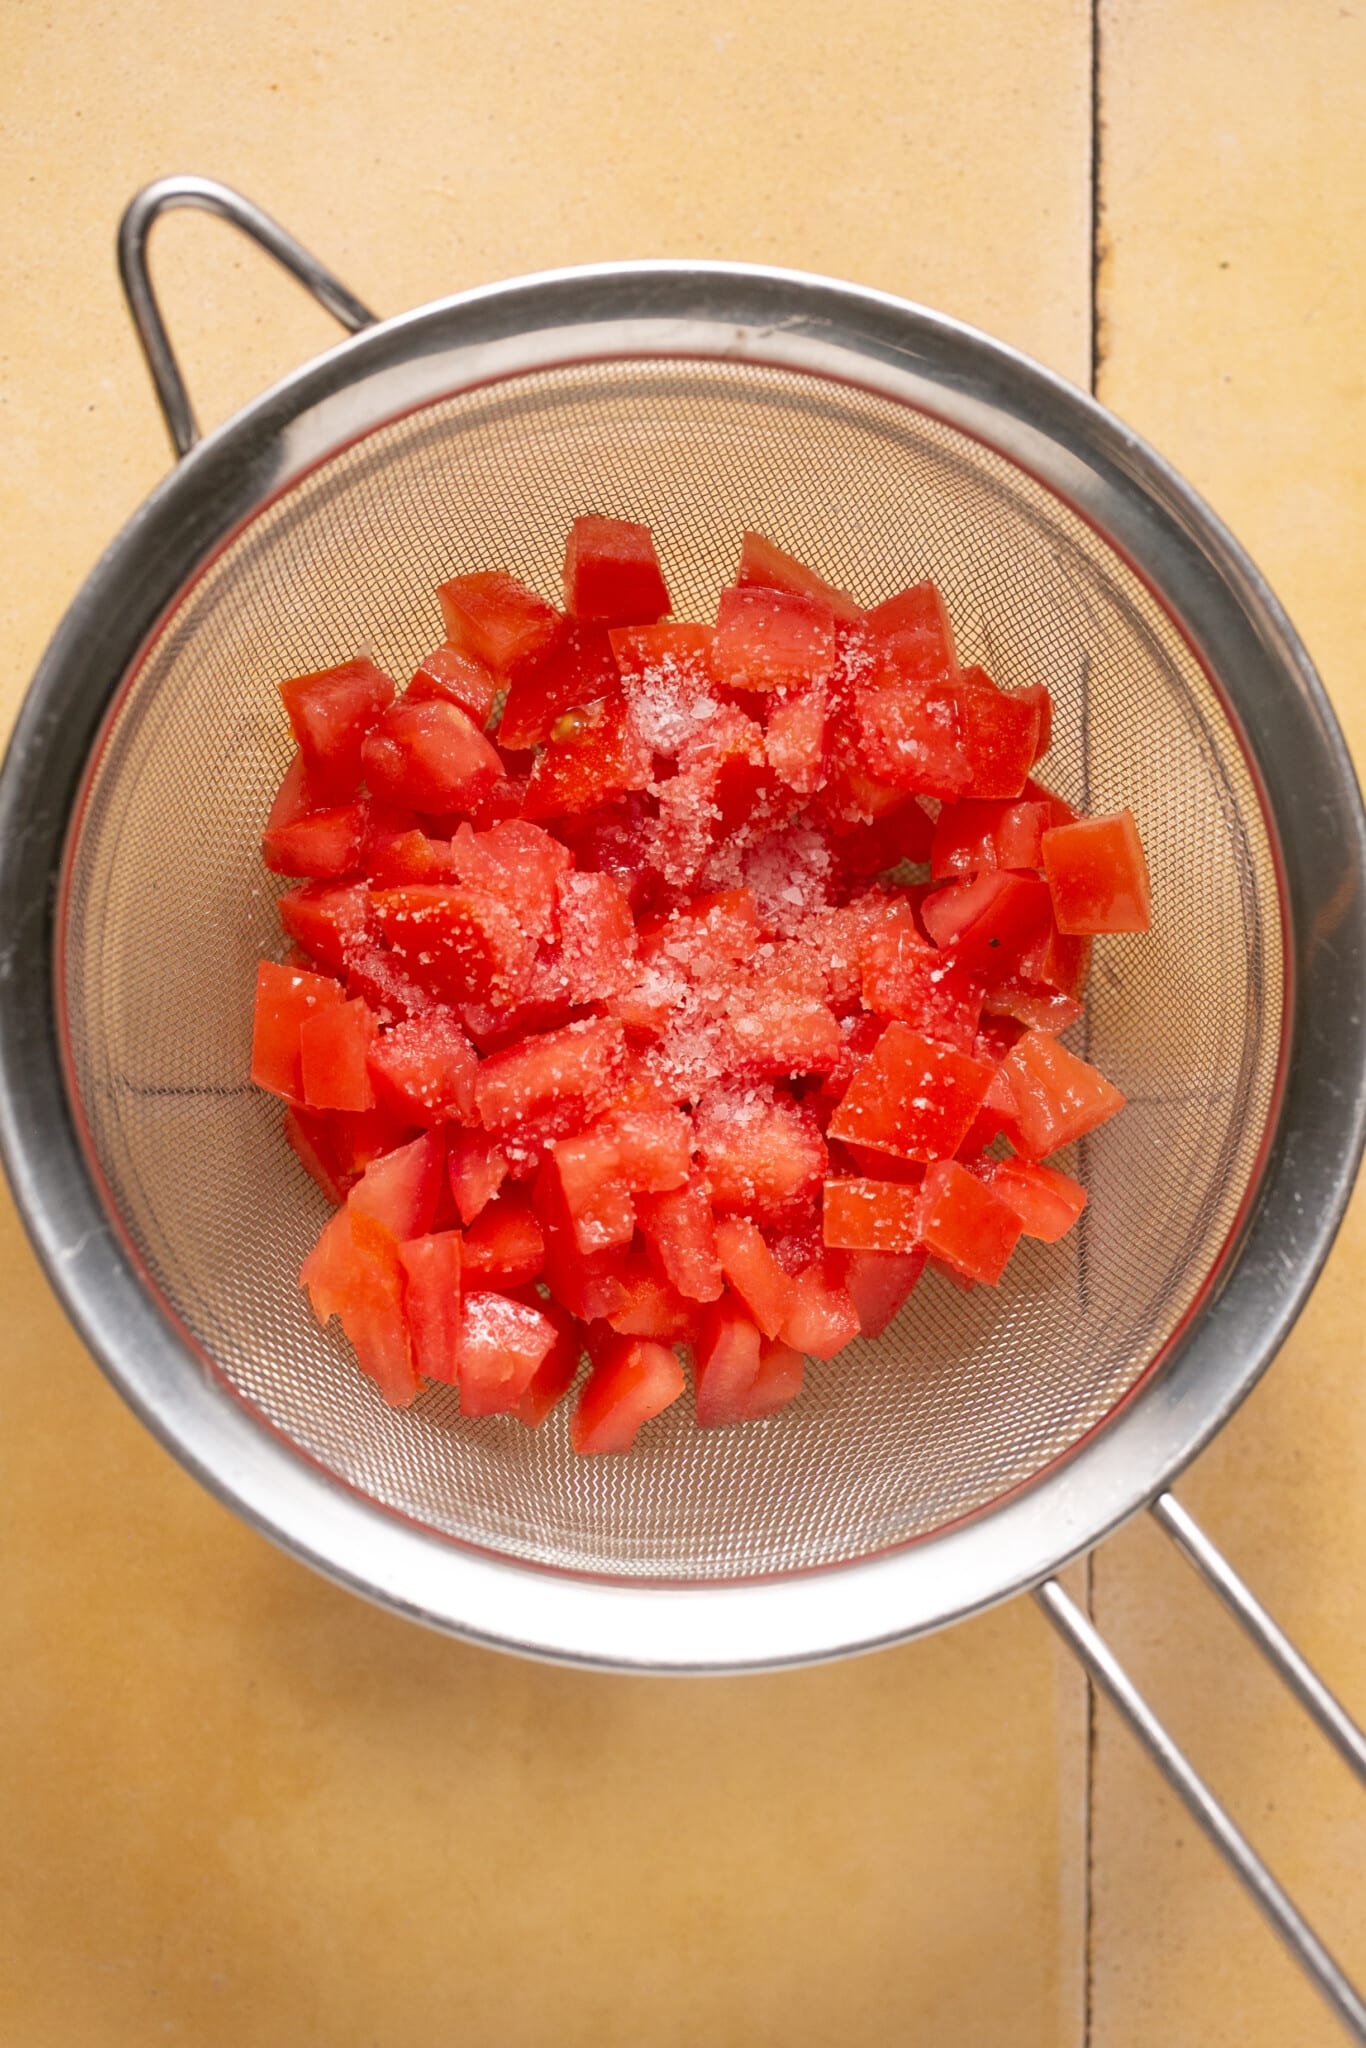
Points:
(1109, 1675)
(205, 195)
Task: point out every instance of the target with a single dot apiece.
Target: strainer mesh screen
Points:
(169, 909)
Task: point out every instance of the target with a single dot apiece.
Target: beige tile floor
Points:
(237, 1805)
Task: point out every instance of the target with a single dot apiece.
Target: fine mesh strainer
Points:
(984, 1440)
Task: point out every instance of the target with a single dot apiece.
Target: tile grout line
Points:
(1089, 1774)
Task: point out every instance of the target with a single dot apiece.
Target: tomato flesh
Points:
(634, 1380)
(1098, 875)
(612, 573)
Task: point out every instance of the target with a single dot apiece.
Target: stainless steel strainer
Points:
(984, 1440)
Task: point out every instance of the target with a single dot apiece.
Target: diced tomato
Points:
(328, 920)
(823, 1318)
(330, 714)
(763, 563)
(477, 1168)
(912, 737)
(497, 619)
(750, 1267)
(587, 1284)
(913, 1097)
(333, 1044)
(572, 1073)
(1058, 1097)
(1039, 693)
(505, 1245)
(1060, 812)
(599, 1201)
(555, 1374)
(430, 756)
(963, 1222)
(631, 1382)
(612, 573)
(354, 1272)
(906, 978)
(597, 936)
(517, 862)
(573, 669)
(454, 677)
(1098, 876)
(871, 1216)
(503, 1343)
(778, 1380)
(880, 1284)
(781, 1031)
(1060, 961)
(400, 1191)
(767, 638)
(680, 1236)
(1034, 1004)
(1047, 1202)
(1000, 735)
(795, 741)
(593, 755)
(989, 926)
(309, 1137)
(305, 837)
(903, 833)
(461, 943)
(972, 837)
(760, 1150)
(356, 1138)
(285, 998)
(650, 1306)
(726, 1364)
(431, 1302)
(912, 635)
(395, 858)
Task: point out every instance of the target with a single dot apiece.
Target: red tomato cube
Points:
(429, 756)
(285, 998)
(871, 1216)
(503, 1343)
(823, 1318)
(555, 1374)
(330, 714)
(913, 1097)
(577, 667)
(1000, 735)
(329, 920)
(497, 619)
(1058, 1097)
(462, 944)
(795, 739)
(452, 676)
(763, 563)
(768, 638)
(304, 837)
(431, 1302)
(778, 1380)
(1047, 1202)
(572, 1073)
(400, 1190)
(612, 573)
(650, 1306)
(726, 1364)
(519, 863)
(750, 1267)
(505, 1245)
(593, 756)
(599, 1202)
(589, 1285)
(991, 925)
(761, 1152)
(680, 1236)
(973, 838)
(906, 978)
(476, 1167)
(354, 1272)
(880, 1284)
(597, 936)
(1098, 876)
(912, 635)
(964, 1223)
(333, 1044)
(911, 737)
(903, 833)
(631, 1382)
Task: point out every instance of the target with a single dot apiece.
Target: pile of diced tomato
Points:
(664, 993)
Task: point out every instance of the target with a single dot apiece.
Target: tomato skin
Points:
(496, 619)
(974, 836)
(400, 1190)
(1098, 875)
(612, 574)
(286, 997)
(309, 1140)
(330, 713)
(991, 925)
(632, 1381)
(765, 564)
(964, 1223)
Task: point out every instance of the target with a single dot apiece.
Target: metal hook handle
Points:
(207, 196)
(1109, 1675)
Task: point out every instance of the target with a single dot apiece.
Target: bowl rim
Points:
(1217, 599)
